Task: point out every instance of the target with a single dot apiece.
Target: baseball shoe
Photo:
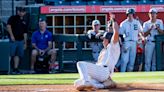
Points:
(86, 87)
(109, 83)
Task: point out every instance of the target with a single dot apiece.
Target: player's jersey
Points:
(96, 46)
(109, 56)
(130, 30)
(147, 25)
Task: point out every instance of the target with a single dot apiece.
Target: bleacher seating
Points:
(102, 2)
(128, 2)
(78, 2)
(94, 2)
(61, 2)
(145, 2)
(159, 2)
(111, 2)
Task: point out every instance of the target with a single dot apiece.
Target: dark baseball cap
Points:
(41, 19)
(21, 9)
(108, 35)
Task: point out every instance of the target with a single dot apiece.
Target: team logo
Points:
(46, 36)
(135, 27)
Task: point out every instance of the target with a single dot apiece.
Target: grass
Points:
(68, 78)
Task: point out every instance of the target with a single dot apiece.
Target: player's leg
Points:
(19, 54)
(86, 69)
(125, 57)
(153, 68)
(13, 53)
(33, 59)
(148, 55)
(132, 57)
(52, 52)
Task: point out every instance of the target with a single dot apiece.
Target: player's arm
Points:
(9, 29)
(49, 43)
(49, 46)
(115, 37)
(160, 28)
(141, 33)
(146, 30)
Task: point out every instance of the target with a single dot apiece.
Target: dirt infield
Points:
(135, 87)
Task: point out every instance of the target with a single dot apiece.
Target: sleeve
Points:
(161, 25)
(122, 28)
(9, 22)
(90, 35)
(33, 39)
(140, 29)
(50, 36)
(145, 28)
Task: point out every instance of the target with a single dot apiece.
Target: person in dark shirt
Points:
(42, 44)
(17, 28)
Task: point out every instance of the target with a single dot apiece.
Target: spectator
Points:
(151, 28)
(17, 28)
(95, 33)
(42, 44)
(130, 29)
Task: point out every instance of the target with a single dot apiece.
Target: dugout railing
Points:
(159, 52)
(85, 55)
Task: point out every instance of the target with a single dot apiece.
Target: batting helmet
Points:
(108, 35)
(130, 11)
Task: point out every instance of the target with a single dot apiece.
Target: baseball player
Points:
(95, 34)
(96, 75)
(151, 28)
(130, 29)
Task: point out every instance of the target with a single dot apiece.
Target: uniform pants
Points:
(92, 73)
(150, 56)
(128, 56)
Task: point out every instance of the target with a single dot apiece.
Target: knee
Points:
(80, 63)
(34, 52)
(53, 52)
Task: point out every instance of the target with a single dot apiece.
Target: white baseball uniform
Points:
(102, 70)
(150, 54)
(130, 31)
(96, 46)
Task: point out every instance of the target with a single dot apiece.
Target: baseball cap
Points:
(21, 9)
(41, 19)
(108, 35)
(95, 22)
(130, 11)
(153, 10)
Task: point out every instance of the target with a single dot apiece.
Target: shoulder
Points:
(147, 22)
(36, 32)
(11, 18)
(48, 32)
(124, 22)
(90, 32)
(159, 21)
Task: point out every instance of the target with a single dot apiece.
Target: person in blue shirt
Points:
(42, 44)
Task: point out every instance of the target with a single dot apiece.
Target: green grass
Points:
(130, 77)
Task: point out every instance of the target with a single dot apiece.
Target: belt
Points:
(132, 40)
(105, 65)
